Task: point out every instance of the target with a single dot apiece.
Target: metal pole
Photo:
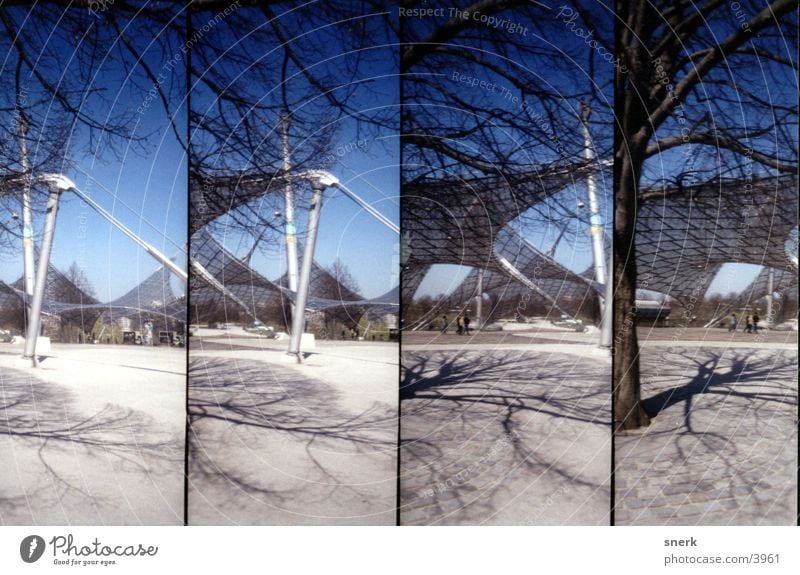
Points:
(288, 211)
(607, 311)
(523, 279)
(595, 219)
(35, 321)
(27, 212)
(330, 180)
(161, 258)
(299, 319)
(479, 300)
(552, 251)
(369, 209)
(770, 288)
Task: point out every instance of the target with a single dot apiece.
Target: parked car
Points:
(570, 323)
(258, 328)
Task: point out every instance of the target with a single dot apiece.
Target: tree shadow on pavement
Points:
(721, 446)
(732, 374)
(474, 422)
(744, 383)
(265, 436)
(55, 446)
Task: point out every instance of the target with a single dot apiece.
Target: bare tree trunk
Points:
(628, 410)
(630, 145)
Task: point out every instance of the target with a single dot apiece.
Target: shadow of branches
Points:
(718, 388)
(758, 379)
(267, 433)
(722, 446)
(43, 418)
(473, 422)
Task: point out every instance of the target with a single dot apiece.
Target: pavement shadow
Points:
(503, 378)
(251, 420)
(471, 420)
(722, 446)
(43, 418)
(755, 378)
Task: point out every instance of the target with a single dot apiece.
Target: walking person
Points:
(445, 325)
(748, 324)
(466, 324)
(732, 326)
(756, 319)
(459, 325)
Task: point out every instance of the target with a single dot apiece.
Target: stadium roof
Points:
(684, 234)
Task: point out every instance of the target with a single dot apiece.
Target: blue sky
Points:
(144, 187)
(555, 63)
(153, 185)
(733, 277)
(154, 190)
(368, 248)
(242, 55)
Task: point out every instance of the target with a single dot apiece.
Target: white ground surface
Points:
(505, 434)
(94, 436)
(275, 443)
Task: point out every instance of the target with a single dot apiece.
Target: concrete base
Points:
(461, 446)
(311, 444)
(120, 460)
(308, 342)
(43, 345)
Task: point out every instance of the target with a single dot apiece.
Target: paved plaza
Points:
(276, 443)
(504, 433)
(94, 436)
(722, 447)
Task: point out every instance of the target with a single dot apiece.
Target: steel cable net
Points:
(67, 307)
(456, 221)
(241, 289)
(782, 286)
(470, 222)
(685, 234)
(560, 289)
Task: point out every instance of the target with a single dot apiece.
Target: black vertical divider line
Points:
(610, 276)
(400, 244)
(188, 80)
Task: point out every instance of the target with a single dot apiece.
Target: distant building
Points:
(653, 312)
